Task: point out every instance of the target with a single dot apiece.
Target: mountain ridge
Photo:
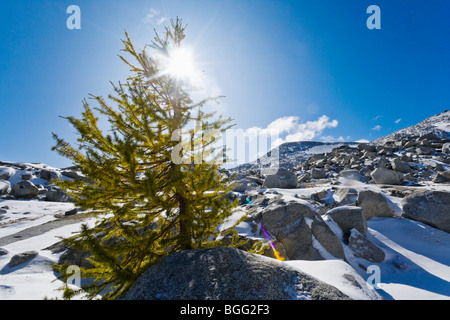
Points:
(438, 124)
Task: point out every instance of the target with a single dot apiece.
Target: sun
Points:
(180, 64)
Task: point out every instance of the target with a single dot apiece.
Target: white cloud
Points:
(161, 20)
(292, 130)
(333, 139)
(248, 145)
(285, 124)
(377, 117)
(152, 17)
(377, 128)
(398, 120)
(362, 141)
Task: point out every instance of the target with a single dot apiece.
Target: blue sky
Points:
(311, 66)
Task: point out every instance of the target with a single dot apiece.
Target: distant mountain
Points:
(291, 154)
(294, 153)
(438, 124)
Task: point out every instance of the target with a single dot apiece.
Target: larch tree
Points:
(152, 191)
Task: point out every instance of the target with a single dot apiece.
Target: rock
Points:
(26, 176)
(318, 174)
(244, 199)
(316, 157)
(409, 144)
(49, 174)
(74, 257)
(22, 258)
(256, 179)
(429, 207)
(344, 192)
(374, 204)
(282, 179)
(428, 136)
(363, 248)
(385, 152)
(439, 178)
(244, 185)
(326, 238)
(324, 196)
(369, 155)
(226, 274)
(366, 147)
(3, 252)
(41, 189)
(346, 195)
(382, 163)
(45, 174)
(79, 176)
(400, 166)
(251, 241)
(446, 173)
(409, 177)
(386, 176)
(437, 166)
(297, 226)
(348, 218)
(304, 177)
(56, 194)
(446, 147)
(71, 212)
(24, 189)
(405, 158)
(6, 173)
(424, 150)
(4, 187)
(72, 174)
(231, 195)
(351, 174)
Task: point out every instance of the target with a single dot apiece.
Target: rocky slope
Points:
(328, 206)
(290, 154)
(439, 125)
(371, 220)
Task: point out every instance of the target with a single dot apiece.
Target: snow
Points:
(339, 274)
(23, 214)
(444, 126)
(418, 259)
(405, 292)
(416, 266)
(35, 279)
(417, 262)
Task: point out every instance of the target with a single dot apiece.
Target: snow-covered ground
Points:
(417, 263)
(35, 279)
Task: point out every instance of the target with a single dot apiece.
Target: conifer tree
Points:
(149, 195)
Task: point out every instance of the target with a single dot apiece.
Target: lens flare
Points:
(275, 251)
(180, 64)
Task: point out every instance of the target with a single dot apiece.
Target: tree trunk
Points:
(185, 228)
